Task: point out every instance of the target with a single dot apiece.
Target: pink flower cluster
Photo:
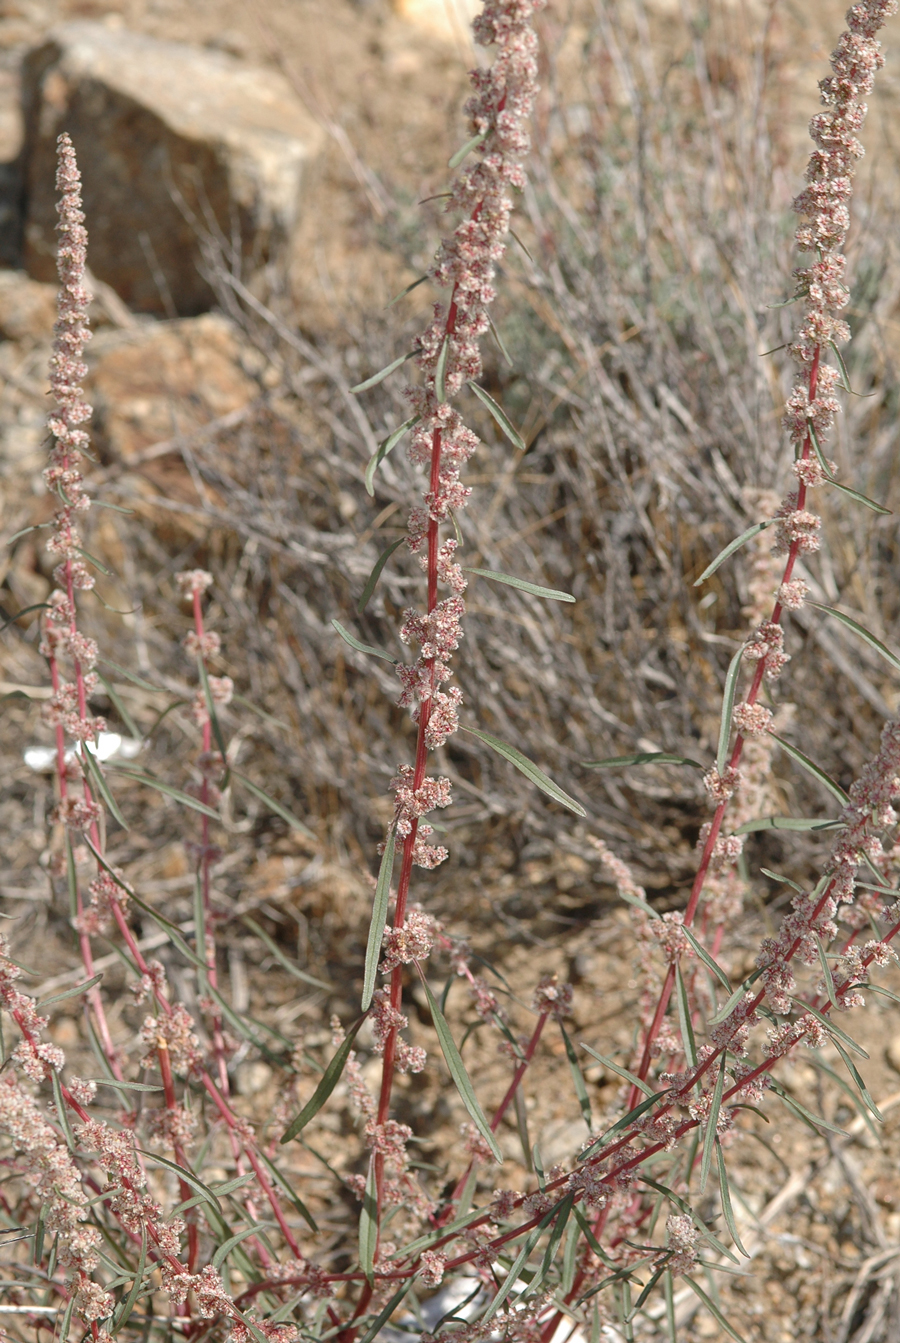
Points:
(449, 356)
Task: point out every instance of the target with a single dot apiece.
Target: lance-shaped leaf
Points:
(376, 378)
(854, 625)
(387, 1311)
(168, 791)
(528, 768)
(518, 1264)
(225, 1249)
(786, 823)
(577, 1077)
(327, 1084)
(279, 955)
(859, 498)
(641, 758)
(372, 580)
(121, 710)
(408, 290)
(99, 784)
(714, 1310)
(688, 1043)
(119, 1085)
(467, 148)
(826, 971)
(386, 446)
(25, 611)
(458, 1072)
(187, 1176)
(276, 807)
(287, 1189)
(368, 1224)
(832, 1027)
(136, 1285)
(552, 594)
(500, 416)
(811, 768)
(712, 1124)
(379, 919)
(811, 1120)
(732, 546)
(71, 993)
(858, 1079)
(348, 638)
(440, 370)
(729, 697)
(622, 1072)
(707, 960)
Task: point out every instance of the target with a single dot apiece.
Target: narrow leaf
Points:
(135, 1286)
(459, 1074)
(279, 955)
(379, 919)
(834, 789)
(529, 769)
(726, 1199)
(639, 1110)
(273, 806)
(175, 793)
(728, 710)
(288, 1190)
(408, 290)
(372, 580)
(61, 1110)
(260, 713)
(67, 1318)
(133, 677)
(708, 960)
(327, 1084)
(500, 416)
(25, 611)
(376, 378)
(577, 1077)
(637, 902)
(224, 1250)
(642, 758)
(563, 1212)
(71, 993)
(187, 1176)
(621, 1072)
(368, 1225)
(386, 446)
(863, 633)
(440, 370)
(120, 708)
(361, 647)
(858, 1079)
(518, 1264)
(100, 785)
(684, 1019)
(726, 1010)
(786, 881)
(499, 339)
(732, 546)
(553, 594)
(123, 1086)
(786, 823)
(832, 1028)
(712, 1124)
(385, 1314)
(860, 498)
(826, 971)
(714, 1310)
(813, 1121)
(467, 148)
(211, 710)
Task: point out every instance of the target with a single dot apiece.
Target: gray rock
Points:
(173, 142)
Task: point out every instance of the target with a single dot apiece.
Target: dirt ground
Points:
(820, 1214)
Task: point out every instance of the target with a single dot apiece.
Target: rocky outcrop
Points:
(175, 144)
(156, 385)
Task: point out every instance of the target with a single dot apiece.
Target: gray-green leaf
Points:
(553, 594)
(379, 919)
(500, 416)
(348, 638)
(529, 769)
(458, 1073)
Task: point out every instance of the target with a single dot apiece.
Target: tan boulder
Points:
(27, 308)
(155, 385)
(174, 142)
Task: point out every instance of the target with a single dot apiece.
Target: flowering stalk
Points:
(810, 413)
(449, 357)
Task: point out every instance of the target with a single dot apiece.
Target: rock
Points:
(27, 308)
(175, 143)
(159, 381)
(444, 20)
